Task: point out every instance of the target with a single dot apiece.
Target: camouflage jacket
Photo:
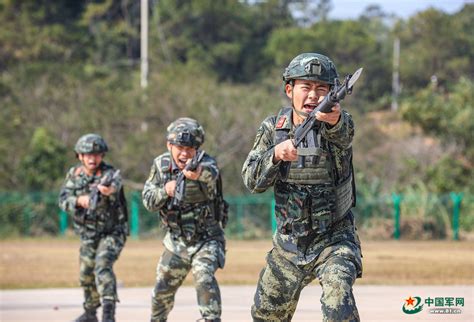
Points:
(109, 216)
(259, 173)
(197, 192)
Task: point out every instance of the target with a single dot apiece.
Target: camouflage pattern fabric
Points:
(203, 259)
(97, 257)
(311, 66)
(102, 236)
(185, 131)
(204, 254)
(259, 173)
(281, 283)
(91, 143)
(109, 216)
(154, 195)
(303, 247)
(197, 192)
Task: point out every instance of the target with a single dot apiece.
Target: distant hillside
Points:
(391, 149)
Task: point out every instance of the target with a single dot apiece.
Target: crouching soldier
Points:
(93, 194)
(184, 187)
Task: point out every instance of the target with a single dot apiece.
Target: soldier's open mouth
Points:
(182, 162)
(309, 107)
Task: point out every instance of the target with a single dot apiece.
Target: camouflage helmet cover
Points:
(311, 66)
(91, 143)
(185, 131)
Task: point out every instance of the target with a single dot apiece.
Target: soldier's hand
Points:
(193, 175)
(170, 187)
(106, 190)
(83, 201)
(285, 151)
(331, 118)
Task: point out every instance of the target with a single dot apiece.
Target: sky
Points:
(351, 9)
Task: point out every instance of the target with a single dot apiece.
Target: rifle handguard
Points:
(338, 93)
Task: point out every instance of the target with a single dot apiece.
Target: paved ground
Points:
(375, 303)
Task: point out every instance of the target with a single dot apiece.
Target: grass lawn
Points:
(50, 263)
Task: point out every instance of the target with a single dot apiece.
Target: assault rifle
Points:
(308, 142)
(94, 196)
(180, 181)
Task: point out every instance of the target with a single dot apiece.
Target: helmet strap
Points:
(299, 113)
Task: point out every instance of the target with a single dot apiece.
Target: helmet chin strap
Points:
(299, 113)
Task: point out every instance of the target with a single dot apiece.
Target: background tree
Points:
(44, 162)
(74, 71)
(224, 37)
(449, 117)
(434, 43)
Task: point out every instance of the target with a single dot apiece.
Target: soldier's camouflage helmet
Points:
(185, 131)
(91, 143)
(311, 66)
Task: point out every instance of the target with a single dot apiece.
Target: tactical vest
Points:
(308, 199)
(111, 214)
(198, 215)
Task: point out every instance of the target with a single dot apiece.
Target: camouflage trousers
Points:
(281, 283)
(97, 278)
(171, 272)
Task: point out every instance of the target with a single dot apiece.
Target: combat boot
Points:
(108, 311)
(89, 315)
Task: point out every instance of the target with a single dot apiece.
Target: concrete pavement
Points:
(375, 303)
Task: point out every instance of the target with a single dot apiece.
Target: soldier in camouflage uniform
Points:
(102, 231)
(195, 238)
(316, 235)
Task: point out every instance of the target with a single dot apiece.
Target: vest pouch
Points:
(322, 205)
(221, 209)
(210, 224)
(344, 197)
(206, 216)
(169, 218)
(188, 225)
(301, 226)
(107, 219)
(281, 205)
(79, 217)
(297, 212)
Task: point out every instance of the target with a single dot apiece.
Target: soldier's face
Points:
(181, 154)
(305, 94)
(91, 161)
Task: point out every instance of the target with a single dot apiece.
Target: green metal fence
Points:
(251, 216)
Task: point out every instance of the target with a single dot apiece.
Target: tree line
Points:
(72, 67)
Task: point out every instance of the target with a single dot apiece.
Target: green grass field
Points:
(51, 263)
